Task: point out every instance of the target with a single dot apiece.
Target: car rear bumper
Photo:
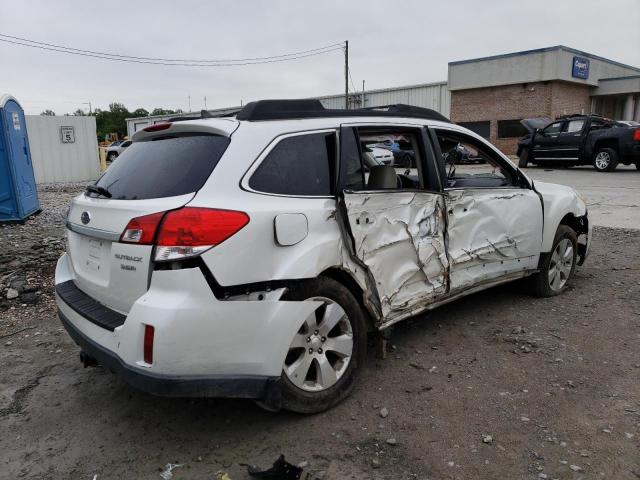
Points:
(240, 386)
(203, 346)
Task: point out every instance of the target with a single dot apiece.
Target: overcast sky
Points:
(392, 43)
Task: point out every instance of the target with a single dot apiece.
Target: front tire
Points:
(605, 160)
(327, 352)
(558, 266)
(523, 158)
(112, 157)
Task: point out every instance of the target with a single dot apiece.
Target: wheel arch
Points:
(348, 280)
(606, 143)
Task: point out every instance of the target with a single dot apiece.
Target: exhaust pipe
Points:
(87, 360)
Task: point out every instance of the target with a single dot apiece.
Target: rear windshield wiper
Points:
(99, 190)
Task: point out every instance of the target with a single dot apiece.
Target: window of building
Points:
(511, 129)
(482, 128)
(300, 165)
(575, 126)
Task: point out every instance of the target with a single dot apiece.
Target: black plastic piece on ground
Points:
(281, 470)
(87, 360)
(89, 308)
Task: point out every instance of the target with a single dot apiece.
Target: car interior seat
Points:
(382, 177)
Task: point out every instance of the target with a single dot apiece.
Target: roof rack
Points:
(305, 108)
(206, 114)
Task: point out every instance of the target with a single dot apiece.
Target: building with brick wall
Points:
(490, 95)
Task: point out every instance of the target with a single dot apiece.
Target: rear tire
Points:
(523, 158)
(312, 394)
(111, 157)
(556, 267)
(605, 160)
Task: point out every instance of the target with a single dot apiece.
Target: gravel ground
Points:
(497, 385)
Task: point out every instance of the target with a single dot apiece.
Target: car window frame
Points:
(520, 181)
(244, 182)
(427, 155)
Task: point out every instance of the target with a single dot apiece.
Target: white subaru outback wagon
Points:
(249, 256)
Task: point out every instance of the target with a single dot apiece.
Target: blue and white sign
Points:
(580, 68)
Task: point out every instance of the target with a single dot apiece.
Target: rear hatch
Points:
(159, 172)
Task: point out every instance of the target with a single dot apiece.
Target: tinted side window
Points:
(553, 128)
(298, 165)
(163, 167)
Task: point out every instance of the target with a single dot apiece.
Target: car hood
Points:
(556, 194)
(532, 123)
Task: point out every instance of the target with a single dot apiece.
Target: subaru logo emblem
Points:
(85, 217)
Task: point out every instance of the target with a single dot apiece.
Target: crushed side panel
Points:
(399, 236)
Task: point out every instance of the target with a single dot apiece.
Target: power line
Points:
(169, 62)
(183, 60)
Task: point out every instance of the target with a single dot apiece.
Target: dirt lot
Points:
(498, 385)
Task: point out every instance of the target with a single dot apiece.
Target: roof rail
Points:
(205, 114)
(306, 108)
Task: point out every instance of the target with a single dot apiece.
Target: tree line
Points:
(113, 120)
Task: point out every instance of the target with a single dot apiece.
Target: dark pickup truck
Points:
(580, 140)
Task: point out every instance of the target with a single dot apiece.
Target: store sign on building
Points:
(68, 134)
(580, 68)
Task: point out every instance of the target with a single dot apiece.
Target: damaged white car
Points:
(249, 256)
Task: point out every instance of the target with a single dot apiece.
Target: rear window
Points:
(163, 167)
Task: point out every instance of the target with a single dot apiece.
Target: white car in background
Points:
(381, 154)
(251, 256)
(113, 151)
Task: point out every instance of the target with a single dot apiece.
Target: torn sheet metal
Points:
(399, 236)
(491, 233)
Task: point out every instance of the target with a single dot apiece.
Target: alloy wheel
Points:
(321, 350)
(603, 159)
(561, 264)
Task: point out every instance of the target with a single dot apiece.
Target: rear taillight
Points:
(636, 135)
(190, 231)
(142, 230)
(147, 345)
(183, 233)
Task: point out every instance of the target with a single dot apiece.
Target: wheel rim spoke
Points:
(298, 370)
(299, 341)
(332, 315)
(327, 375)
(342, 344)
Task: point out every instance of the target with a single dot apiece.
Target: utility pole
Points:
(362, 93)
(205, 103)
(346, 74)
(189, 99)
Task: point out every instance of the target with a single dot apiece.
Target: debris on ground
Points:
(281, 470)
(167, 473)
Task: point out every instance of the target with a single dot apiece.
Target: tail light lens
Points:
(142, 230)
(183, 233)
(636, 135)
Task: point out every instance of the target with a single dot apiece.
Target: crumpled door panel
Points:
(399, 236)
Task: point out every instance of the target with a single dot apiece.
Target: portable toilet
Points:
(18, 194)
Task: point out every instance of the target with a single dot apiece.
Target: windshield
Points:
(163, 167)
